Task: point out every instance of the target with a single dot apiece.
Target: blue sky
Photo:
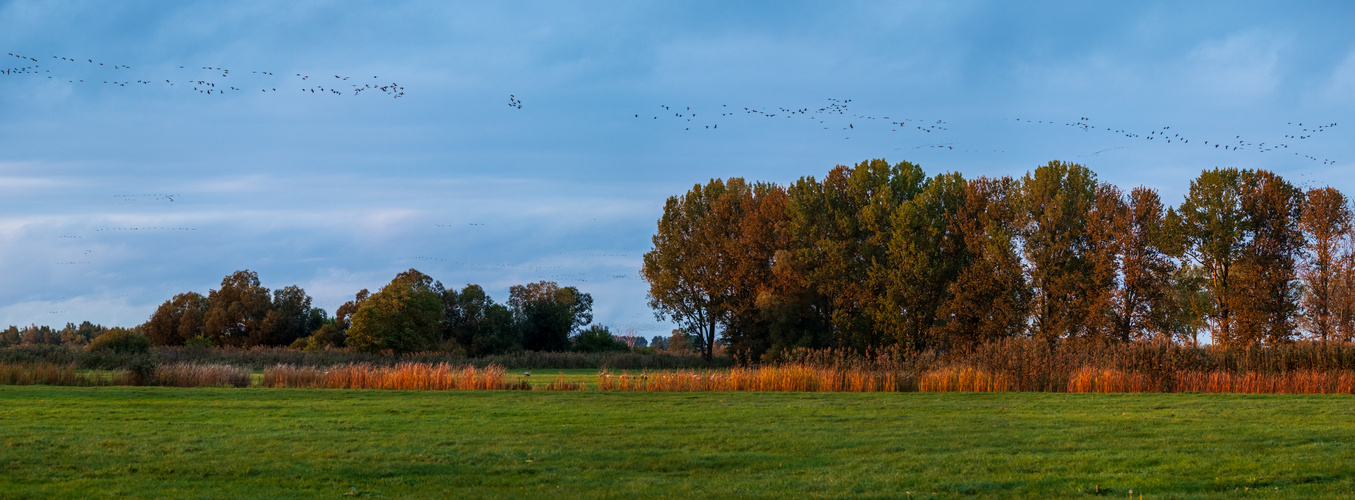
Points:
(339, 192)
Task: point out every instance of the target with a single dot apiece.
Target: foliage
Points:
(121, 341)
(547, 314)
(479, 325)
(597, 339)
(177, 320)
(405, 316)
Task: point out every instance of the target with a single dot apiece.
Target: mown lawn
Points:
(277, 443)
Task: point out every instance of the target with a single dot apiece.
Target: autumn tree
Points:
(1069, 235)
(236, 311)
(1143, 305)
(989, 298)
(548, 314)
(1268, 269)
(406, 315)
(1214, 228)
(1326, 221)
(291, 317)
(841, 229)
(177, 319)
(926, 255)
(688, 264)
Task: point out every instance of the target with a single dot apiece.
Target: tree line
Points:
(878, 255)
(412, 313)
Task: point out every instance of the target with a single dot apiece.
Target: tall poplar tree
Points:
(1326, 221)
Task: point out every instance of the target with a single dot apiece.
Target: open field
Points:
(220, 442)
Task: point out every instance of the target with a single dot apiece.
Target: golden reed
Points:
(402, 376)
(772, 378)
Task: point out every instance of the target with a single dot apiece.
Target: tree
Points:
(597, 338)
(926, 255)
(841, 230)
(404, 316)
(343, 316)
(236, 312)
(290, 317)
(177, 319)
(687, 265)
(1268, 270)
(547, 314)
(989, 298)
(1067, 227)
(479, 325)
(121, 340)
(1326, 221)
(1143, 305)
(1215, 228)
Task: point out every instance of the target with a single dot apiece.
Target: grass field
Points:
(209, 442)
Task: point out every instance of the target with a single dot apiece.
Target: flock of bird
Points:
(514, 102)
(1237, 143)
(146, 228)
(837, 115)
(144, 197)
(206, 80)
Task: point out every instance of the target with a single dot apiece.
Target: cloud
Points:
(1341, 86)
(1243, 66)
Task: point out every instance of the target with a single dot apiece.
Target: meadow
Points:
(287, 443)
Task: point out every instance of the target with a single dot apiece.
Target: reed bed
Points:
(61, 374)
(772, 378)
(38, 374)
(195, 375)
(402, 376)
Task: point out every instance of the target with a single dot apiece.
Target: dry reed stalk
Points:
(402, 376)
(964, 379)
(781, 378)
(195, 375)
(1088, 379)
(38, 373)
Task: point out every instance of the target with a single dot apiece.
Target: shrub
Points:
(122, 341)
(597, 339)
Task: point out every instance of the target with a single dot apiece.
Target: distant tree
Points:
(236, 312)
(10, 336)
(121, 340)
(547, 314)
(343, 316)
(659, 343)
(841, 228)
(687, 266)
(478, 324)
(177, 319)
(1326, 221)
(597, 338)
(405, 316)
(290, 317)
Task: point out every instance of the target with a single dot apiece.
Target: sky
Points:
(153, 148)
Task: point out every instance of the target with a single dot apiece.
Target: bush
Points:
(121, 340)
(597, 339)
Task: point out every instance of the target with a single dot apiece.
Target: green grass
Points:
(167, 442)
